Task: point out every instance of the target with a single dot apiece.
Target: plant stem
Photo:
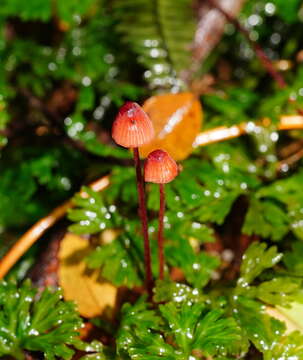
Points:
(143, 217)
(264, 59)
(160, 232)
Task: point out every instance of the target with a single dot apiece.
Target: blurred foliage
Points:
(54, 169)
(155, 31)
(66, 67)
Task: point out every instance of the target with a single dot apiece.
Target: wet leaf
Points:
(177, 120)
(42, 323)
(90, 294)
(291, 317)
(256, 259)
(261, 329)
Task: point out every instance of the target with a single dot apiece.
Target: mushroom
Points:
(160, 168)
(131, 129)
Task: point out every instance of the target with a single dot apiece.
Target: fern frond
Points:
(160, 33)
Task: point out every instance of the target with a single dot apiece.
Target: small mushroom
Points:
(160, 168)
(131, 129)
(132, 126)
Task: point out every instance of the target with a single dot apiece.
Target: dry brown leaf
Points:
(79, 285)
(177, 119)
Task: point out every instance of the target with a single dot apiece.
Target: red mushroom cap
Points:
(132, 126)
(160, 167)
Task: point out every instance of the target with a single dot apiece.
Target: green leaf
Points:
(287, 193)
(189, 327)
(289, 11)
(137, 320)
(32, 10)
(68, 9)
(262, 330)
(207, 193)
(232, 105)
(267, 333)
(294, 314)
(91, 215)
(288, 347)
(278, 291)
(123, 185)
(267, 219)
(95, 350)
(47, 325)
(197, 268)
(75, 127)
(233, 157)
(167, 290)
(156, 33)
(256, 259)
(120, 262)
(40, 178)
(194, 329)
(293, 259)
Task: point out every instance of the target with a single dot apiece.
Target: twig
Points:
(291, 160)
(36, 231)
(291, 148)
(209, 30)
(264, 59)
(221, 133)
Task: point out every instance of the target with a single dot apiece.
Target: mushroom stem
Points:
(143, 218)
(160, 232)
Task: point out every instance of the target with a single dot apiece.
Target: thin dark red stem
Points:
(160, 232)
(143, 217)
(266, 62)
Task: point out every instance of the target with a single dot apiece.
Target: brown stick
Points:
(287, 122)
(221, 133)
(143, 217)
(34, 233)
(160, 231)
(264, 59)
(291, 160)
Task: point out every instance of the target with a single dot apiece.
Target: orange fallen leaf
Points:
(177, 120)
(84, 287)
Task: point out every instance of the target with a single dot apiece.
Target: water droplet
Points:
(270, 8)
(243, 186)
(65, 183)
(254, 20)
(91, 214)
(86, 81)
(84, 222)
(112, 208)
(102, 226)
(33, 332)
(52, 66)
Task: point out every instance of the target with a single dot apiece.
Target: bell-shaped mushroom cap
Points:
(160, 167)
(132, 126)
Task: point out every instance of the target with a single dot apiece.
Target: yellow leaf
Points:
(177, 120)
(292, 317)
(80, 285)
